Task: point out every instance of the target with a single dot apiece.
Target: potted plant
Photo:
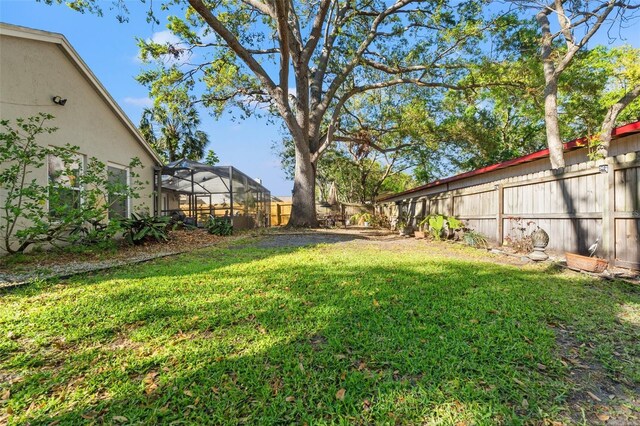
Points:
(421, 233)
(402, 226)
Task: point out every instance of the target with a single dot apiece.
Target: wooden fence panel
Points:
(627, 216)
(486, 227)
(627, 243)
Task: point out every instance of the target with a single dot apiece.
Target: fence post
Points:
(278, 214)
(499, 214)
(608, 218)
(451, 203)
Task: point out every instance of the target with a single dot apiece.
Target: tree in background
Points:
(577, 21)
(496, 123)
(305, 60)
(211, 158)
(171, 128)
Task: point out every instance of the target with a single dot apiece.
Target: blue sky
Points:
(109, 48)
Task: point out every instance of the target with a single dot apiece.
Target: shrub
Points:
(438, 225)
(474, 239)
(219, 226)
(143, 227)
(71, 207)
(519, 239)
(361, 218)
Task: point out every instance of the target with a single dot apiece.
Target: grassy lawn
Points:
(332, 334)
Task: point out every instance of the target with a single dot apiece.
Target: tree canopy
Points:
(172, 130)
(437, 85)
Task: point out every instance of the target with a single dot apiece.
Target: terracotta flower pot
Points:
(585, 263)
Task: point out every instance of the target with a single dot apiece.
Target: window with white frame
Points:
(65, 191)
(118, 197)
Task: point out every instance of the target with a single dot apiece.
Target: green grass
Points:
(269, 336)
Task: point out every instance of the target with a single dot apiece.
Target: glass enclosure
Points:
(195, 192)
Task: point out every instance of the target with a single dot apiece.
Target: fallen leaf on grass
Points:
(376, 303)
(594, 397)
(5, 395)
(474, 321)
(89, 415)
(187, 392)
(520, 382)
(290, 398)
(604, 417)
(149, 381)
(525, 404)
(340, 394)
(366, 405)
(542, 367)
(120, 419)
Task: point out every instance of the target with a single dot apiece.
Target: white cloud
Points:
(139, 102)
(164, 37)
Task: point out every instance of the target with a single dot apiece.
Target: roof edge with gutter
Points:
(616, 133)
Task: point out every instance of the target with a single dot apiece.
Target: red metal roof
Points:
(616, 133)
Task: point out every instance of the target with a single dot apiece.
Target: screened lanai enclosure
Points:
(195, 192)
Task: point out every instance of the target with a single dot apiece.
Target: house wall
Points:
(31, 73)
(575, 207)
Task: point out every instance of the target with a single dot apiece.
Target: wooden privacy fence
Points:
(589, 201)
(280, 213)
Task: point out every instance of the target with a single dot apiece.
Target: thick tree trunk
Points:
(303, 209)
(554, 141)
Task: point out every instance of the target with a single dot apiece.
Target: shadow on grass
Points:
(271, 336)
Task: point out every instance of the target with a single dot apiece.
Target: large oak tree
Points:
(304, 60)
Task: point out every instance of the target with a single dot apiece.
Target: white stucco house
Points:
(41, 72)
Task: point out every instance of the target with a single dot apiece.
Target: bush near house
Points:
(72, 206)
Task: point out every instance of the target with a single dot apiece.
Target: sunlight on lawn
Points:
(330, 334)
(630, 312)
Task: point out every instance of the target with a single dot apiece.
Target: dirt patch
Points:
(379, 239)
(596, 398)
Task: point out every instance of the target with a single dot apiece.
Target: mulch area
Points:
(17, 270)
